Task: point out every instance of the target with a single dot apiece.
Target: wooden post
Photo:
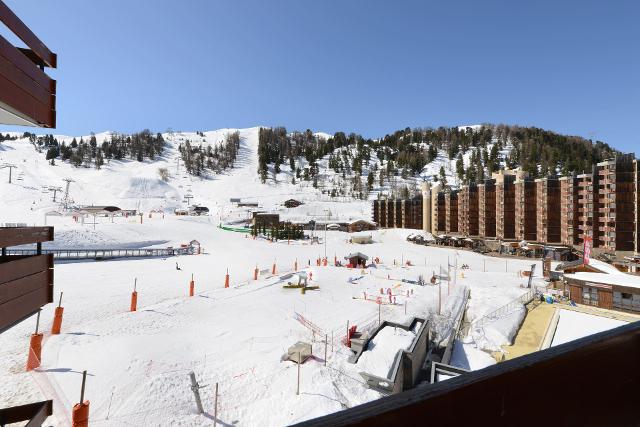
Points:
(347, 343)
(215, 408)
(325, 349)
(439, 295)
(196, 391)
(299, 362)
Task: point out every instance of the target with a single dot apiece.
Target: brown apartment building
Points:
(569, 210)
(505, 204)
(587, 206)
(398, 213)
(636, 164)
(487, 209)
(411, 213)
(548, 210)
(525, 209)
(616, 220)
(451, 211)
(468, 218)
(603, 204)
(438, 215)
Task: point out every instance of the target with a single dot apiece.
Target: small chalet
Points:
(357, 259)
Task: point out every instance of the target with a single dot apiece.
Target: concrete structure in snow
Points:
(426, 207)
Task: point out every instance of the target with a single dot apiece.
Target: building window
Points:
(590, 296)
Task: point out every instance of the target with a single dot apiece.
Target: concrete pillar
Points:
(426, 207)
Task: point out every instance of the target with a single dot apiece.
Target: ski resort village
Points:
(265, 276)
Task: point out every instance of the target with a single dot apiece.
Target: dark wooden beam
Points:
(26, 284)
(14, 236)
(27, 36)
(35, 413)
(593, 381)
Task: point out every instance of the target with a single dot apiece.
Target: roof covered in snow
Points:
(617, 279)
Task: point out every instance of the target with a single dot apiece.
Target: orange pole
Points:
(134, 301)
(295, 266)
(192, 286)
(273, 269)
(80, 416)
(57, 321)
(255, 273)
(226, 280)
(35, 351)
(57, 317)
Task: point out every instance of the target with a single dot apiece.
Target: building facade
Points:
(616, 204)
(451, 212)
(525, 209)
(603, 204)
(505, 205)
(569, 232)
(468, 218)
(587, 207)
(438, 212)
(487, 209)
(548, 210)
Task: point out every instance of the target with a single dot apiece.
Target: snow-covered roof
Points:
(618, 279)
(356, 254)
(603, 266)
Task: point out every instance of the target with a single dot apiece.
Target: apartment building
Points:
(468, 218)
(569, 210)
(487, 209)
(398, 213)
(525, 209)
(617, 200)
(587, 206)
(438, 214)
(548, 209)
(505, 204)
(451, 211)
(636, 164)
(411, 213)
(603, 204)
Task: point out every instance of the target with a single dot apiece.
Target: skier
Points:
(177, 267)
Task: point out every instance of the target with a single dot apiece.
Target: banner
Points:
(588, 244)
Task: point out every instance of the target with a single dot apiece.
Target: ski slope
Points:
(138, 363)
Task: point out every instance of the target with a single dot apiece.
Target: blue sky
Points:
(365, 66)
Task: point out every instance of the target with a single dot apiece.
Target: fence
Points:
(79, 254)
(506, 309)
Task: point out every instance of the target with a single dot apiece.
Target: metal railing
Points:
(76, 254)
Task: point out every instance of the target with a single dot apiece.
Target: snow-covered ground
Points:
(573, 325)
(138, 363)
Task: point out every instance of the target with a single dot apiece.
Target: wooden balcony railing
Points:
(27, 94)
